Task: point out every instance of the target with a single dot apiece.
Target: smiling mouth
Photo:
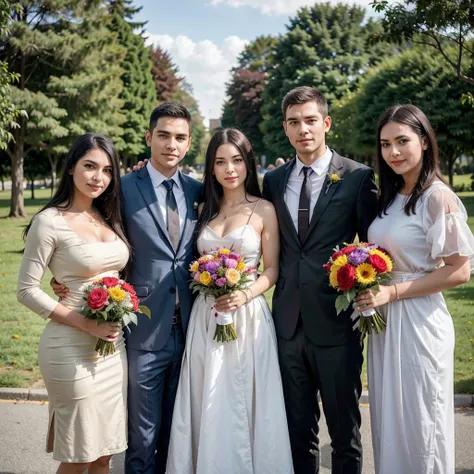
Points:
(170, 156)
(398, 162)
(93, 186)
(231, 178)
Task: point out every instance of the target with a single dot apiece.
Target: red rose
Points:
(336, 254)
(109, 282)
(348, 250)
(128, 288)
(378, 263)
(345, 277)
(327, 267)
(97, 298)
(135, 302)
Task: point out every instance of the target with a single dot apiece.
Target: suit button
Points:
(303, 255)
(172, 290)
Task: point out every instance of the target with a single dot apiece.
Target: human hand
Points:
(230, 302)
(370, 299)
(106, 331)
(140, 165)
(60, 290)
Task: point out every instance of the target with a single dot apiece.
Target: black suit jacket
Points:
(346, 209)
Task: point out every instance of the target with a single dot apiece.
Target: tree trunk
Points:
(17, 203)
(451, 161)
(3, 183)
(53, 163)
(32, 184)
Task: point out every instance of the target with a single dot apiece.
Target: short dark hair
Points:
(303, 94)
(169, 109)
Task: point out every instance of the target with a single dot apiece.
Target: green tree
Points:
(429, 86)
(325, 47)
(138, 89)
(68, 65)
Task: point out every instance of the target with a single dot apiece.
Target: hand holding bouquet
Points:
(218, 273)
(354, 269)
(111, 300)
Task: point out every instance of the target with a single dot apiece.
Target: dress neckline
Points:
(233, 230)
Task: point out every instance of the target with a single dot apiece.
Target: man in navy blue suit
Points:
(159, 215)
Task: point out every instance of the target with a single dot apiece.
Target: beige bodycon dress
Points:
(87, 392)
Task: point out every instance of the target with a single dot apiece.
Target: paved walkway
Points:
(23, 432)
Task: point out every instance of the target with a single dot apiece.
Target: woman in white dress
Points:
(78, 235)
(422, 223)
(229, 415)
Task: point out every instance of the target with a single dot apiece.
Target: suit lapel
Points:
(326, 194)
(145, 186)
(188, 195)
(282, 191)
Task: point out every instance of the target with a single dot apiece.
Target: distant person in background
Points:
(78, 235)
(270, 167)
(423, 225)
(279, 162)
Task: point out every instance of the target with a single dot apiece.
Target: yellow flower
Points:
(116, 293)
(205, 278)
(194, 267)
(365, 273)
(469, 322)
(232, 276)
(16, 336)
(471, 340)
(335, 178)
(340, 261)
(240, 266)
(384, 256)
(333, 277)
(224, 252)
(470, 358)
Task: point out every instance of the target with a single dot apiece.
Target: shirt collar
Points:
(319, 166)
(157, 178)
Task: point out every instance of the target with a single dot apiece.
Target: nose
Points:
(171, 144)
(230, 168)
(97, 176)
(394, 151)
(303, 128)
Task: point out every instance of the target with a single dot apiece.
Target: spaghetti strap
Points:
(253, 210)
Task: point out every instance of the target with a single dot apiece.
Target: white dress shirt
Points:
(157, 179)
(295, 181)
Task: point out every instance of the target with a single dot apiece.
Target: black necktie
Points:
(305, 202)
(172, 215)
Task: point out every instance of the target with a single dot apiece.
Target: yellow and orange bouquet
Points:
(109, 299)
(354, 269)
(217, 273)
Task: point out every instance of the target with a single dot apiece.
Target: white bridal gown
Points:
(229, 416)
(410, 364)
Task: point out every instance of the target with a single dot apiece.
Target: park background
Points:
(71, 66)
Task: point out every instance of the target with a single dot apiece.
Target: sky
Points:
(205, 37)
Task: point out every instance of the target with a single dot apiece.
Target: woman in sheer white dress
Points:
(423, 225)
(229, 415)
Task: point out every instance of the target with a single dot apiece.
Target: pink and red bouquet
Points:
(355, 268)
(110, 300)
(217, 273)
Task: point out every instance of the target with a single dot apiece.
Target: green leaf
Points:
(145, 310)
(341, 303)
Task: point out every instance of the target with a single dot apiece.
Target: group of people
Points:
(180, 402)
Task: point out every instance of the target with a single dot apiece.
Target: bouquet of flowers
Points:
(221, 272)
(109, 299)
(354, 269)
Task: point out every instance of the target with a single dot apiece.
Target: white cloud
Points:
(205, 65)
(282, 7)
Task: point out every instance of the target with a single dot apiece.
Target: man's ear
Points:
(327, 124)
(284, 126)
(148, 138)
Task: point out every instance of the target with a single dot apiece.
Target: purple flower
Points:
(230, 263)
(214, 276)
(358, 256)
(220, 282)
(234, 256)
(211, 267)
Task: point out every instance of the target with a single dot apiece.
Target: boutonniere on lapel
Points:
(195, 205)
(332, 179)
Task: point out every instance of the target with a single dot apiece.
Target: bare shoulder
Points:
(264, 208)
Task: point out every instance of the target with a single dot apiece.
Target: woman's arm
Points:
(270, 241)
(455, 272)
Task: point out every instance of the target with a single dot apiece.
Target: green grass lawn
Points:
(21, 329)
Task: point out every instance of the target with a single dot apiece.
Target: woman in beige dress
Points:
(79, 236)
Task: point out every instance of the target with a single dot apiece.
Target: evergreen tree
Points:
(69, 78)
(325, 47)
(138, 91)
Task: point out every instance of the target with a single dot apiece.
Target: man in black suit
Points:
(319, 351)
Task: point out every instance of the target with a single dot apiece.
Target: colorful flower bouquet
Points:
(110, 300)
(221, 272)
(354, 269)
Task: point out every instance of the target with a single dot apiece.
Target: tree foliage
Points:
(164, 74)
(428, 85)
(325, 47)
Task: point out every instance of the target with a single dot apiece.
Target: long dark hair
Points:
(212, 190)
(107, 203)
(390, 183)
